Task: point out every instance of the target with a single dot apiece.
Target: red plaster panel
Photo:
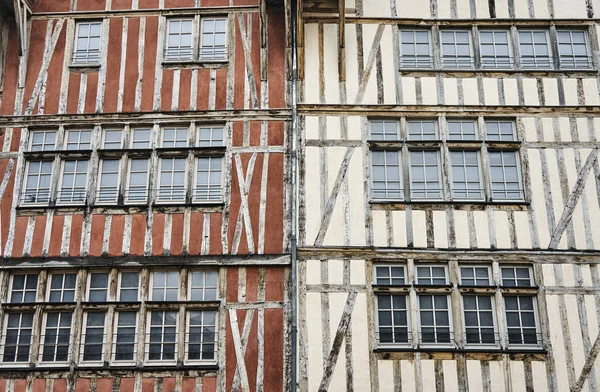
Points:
(255, 127)
(252, 351)
(274, 284)
(232, 285)
(240, 69)
(97, 236)
(20, 385)
(58, 222)
(237, 133)
(127, 384)
(121, 5)
(245, 2)
(274, 207)
(75, 245)
(189, 385)
(230, 360)
(158, 232)
(234, 203)
(169, 384)
(221, 88)
(148, 4)
(276, 133)
(36, 56)
(254, 196)
(115, 240)
(251, 284)
(2, 385)
(91, 92)
(60, 385)
(185, 84)
(73, 93)
(209, 384)
(39, 385)
(11, 67)
(138, 235)
(147, 385)
(196, 221)
(203, 89)
(91, 5)
(104, 384)
(216, 222)
(215, 3)
(255, 48)
(19, 241)
(276, 59)
(55, 71)
(131, 67)
(149, 59)
(38, 236)
(179, 3)
(166, 92)
(51, 6)
(82, 385)
(113, 64)
(177, 234)
(273, 350)
(16, 137)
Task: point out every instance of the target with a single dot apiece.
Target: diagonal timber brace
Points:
(22, 11)
(588, 366)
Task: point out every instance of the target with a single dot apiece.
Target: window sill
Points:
(84, 68)
(446, 349)
(213, 206)
(474, 205)
(495, 72)
(61, 153)
(50, 367)
(195, 64)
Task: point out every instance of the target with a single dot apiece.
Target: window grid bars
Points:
(74, 173)
(78, 140)
(66, 291)
(172, 180)
(385, 166)
(201, 337)
(463, 185)
(20, 295)
(47, 142)
(521, 334)
(162, 338)
(213, 44)
(573, 59)
(108, 185)
(394, 331)
(57, 337)
(92, 341)
(175, 137)
(208, 179)
(501, 187)
(495, 59)
(17, 339)
(479, 333)
(438, 330)
(412, 43)
(458, 58)
(428, 186)
(532, 39)
(38, 173)
(87, 43)
(180, 39)
(207, 289)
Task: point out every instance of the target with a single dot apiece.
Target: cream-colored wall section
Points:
(502, 9)
(387, 65)
(313, 272)
(407, 372)
(450, 91)
(462, 232)
(474, 375)
(370, 96)
(511, 95)
(497, 377)
(399, 222)
(450, 375)
(429, 91)
(439, 229)
(470, 91)
(315, 342)
(551, 91)
(502, 230)
(379, 228)
(336, 271)
(409, 91)
(463, 9)
(376, 8)
(386, 376)
(330, 63)
(570, 86)
(334, 235)
(413, 9)
(360, 344)
(427, 370)
(336, 307)
(311, 61)
(444, 9)
(517, 373)
(419, 229)
(570, 9)
(357, 272)
(590, 89)
(356, 200)
(541, 9)
(312, 192)
(530, 92)
(354, 128)
(490, 89)
(540, 380)
(482, 230)
(522, 230)
(521, 9)
(558, 346)
(352, 76)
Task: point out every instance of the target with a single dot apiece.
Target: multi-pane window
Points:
(462, 130)
(180, 39)
(431, 275)
(98, 287)
(203, 286)
(128, 286)
(384, 130)
(125, 336)
(415, 50)
(521, 320)
(165, 285)
(175, 137)
(37, 182)
(456, 49)
(504, 176)
(213, 45)
(208, 179)
(534, 49)
(93, 339)
(425, 174)
(434, 319)
(137, 190)
(16, 342)
(210, 135)
(500, 130)
(201, 336)
(516, 277)
(422, 130)
(392, 319)
(62, 288)
(108, 187)
(74, 180)
(390, 275)
(172, 179)
(466, 182)
(24, 288)
(573, 49)
(475, 276)
(87, 43)
(78, 140)
(387, 183)
(140, 138)
(495, 49)
(479, 319)
(112, 139)
(162, 340)
(56, 341)
(42, 140)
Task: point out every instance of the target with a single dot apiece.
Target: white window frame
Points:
(415, 63)
(467, 191)
(589, 60)
(82, 342)
(79, 143)
(378, 327)
(187, 336)
(119, 284)
(474, 267)
(425, 190)
(436, 130)
(499, 122)
(536, 318)
(143, 200)
(100, 196)
(88, 289)
(452, 338)
(62, 290)
(73, 193)
(115, 332)
(42, 345)
(193, 43)
(521, 197)
(160, 199)
(132, 140)
(175, 141)
(210, 185)
(514, 268)
(88, 60)
(496, 64)
(203, 288)
(494, 320)
(457, 60)
(211, 141)
(389, 268)
(45, 132)
(25, 290)
(535, 62)
(147, 359)
(201, 43)
(385, 165)
(37, 190)
(383, 122)
(462, 121)
(164, 288)
(430, 266)
(20, 329)
(104, 132)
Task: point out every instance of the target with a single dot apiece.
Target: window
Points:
(93, 339)
(78, 140)
(112, 139)
(434, 319)
(57, 337)
(37, 183)
(415, 50)
(202, 339)
(498, 130)
(16, 343)
(422, 130)
(129, 283)
(125, 336)
(475, 276)
(479, 319)
(162, 345)
(425, 175)
(62, 288)
(213, 39)
(42, 140)
(573, 49)
(208, 179)
(165, 286)
(521, 320)
(387, 183)
(462, 130)
(534, 49)
(431, 275)
(140, 138)
(87, 43)
(74, 180)
(24, 288)
(466, 183)
(517, 277)
(175, 137)
(390, 275)
(495, 50)
(180, 39)
(504, 174)
(172, 180)
(392, 319)
(108, 188)
(456, 49)
(138, 180)
(210, 136)
(384, 130)
(98, 287)
(203, 286)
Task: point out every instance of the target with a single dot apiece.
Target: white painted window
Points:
(125, 337)
(386, 175)
(16, 341)
(98, 287)
(479, 319)
(112, 139)
(37, 183)
(92, 339)
(203, 285)
(534, 49)
(521, 320)
(56, 341)
(202, 335)
(518, 276)
(175, 137)
(415, 49)
(73, 181)
(62, 288)
(456, 49)
(108, 187)
(23, 288)
(422, 130)
(384, 130)
(42, 140)
(213, 41)
(140, 138)
(504, 175)
(500, 130)
(462, 130)
(165, 286)
(466, 180)
(210, 135)
(425, 174)
(128, 286)
(390, 275)
(475, 275)
(495, 49)
(87, 43)
(180, 39)
(434, 318)
(431, 275)
(392, 319)
(162, 340)
(137, 190)
(78, 140)
(172, 180)
(208, 179)
(573, 49)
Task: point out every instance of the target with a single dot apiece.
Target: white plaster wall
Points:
(570, 9)
(312, 194)
(413, 9)
(330, 63)
(551, 91)
(399, 222)
(387, 65)
(541, 8)
(311, 62)
(352, 77)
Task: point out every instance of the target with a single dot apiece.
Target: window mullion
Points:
(486, 182)
(436, 47)
(514, 40)
(554, 47)
(180, 332)
(456, 309)
(93, 167)
(477, 50)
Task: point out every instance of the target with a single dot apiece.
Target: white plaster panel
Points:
(586, 275)
(596, 5)
(511, 95)
(548, 272)
(550, 91)
(483, 8)
(463, 9)
(360, 344)
(450, 375)
(351, 62)
(356, 199)
(567, 271)
(470, 91)
(443, 7)
(541, 8)
(311, 61)
(497, 376)
(461, 225)
(312, 127)
(440, 233)
(370, 96)
(377, 8)
(429, 91)
(582, 128)
(399, 226)
(330, 63)
(482, 229)
(350, 4)
(336, 307)
(592, 319)
(354, 128)
(575, 330)
(419, 229)
(502, 9)
(474, 375)
(386, 376)
(558, 347)
(333, 127)
(537, 192)
(517, 373)
(490, 88)
(313, 213)
(313, 271)
(540, 380)
(450, 91)
(335, 230)
(357, 272)
(577, 218)
(569, 9)
(521, 10)
(502, 230)
(379, 228)
(522, 230)
(407, 372)
(413, 9)
(336, 271)
(565, 129)
(593, 205)
(530, 131)
(547, 129)
(557, 200)
(597, 127)
(409, 93)
(387, 63)
(530, 92)
(315, 343)
(590, 89)
(570, 86)
(427, 370)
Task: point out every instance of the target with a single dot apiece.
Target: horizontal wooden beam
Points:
(145, 12)
(451, 22)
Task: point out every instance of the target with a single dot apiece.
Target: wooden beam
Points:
(588, 366)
